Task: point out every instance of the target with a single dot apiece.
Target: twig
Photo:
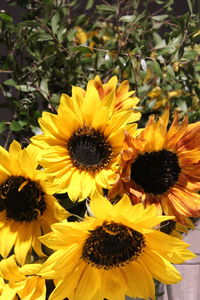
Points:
(6, 71)
(7, 139)
(47, 29)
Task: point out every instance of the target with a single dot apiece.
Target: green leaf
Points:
(40, 37)
(25, 88)
(170, 71)
(44, 37)
(55, 22)
(10, 82)
(49, 51)
(156, 68)
(81, 49)
(71, 34)
(108, 8)
(79, 20)
(139, 17)
(190, 54)
(32, 24)
(157, 38)
(161, 45)
(128, 18)
(15, 126)
(168, 3)
(60, 33)
(2, 127)
(110, 45)
(44, 87)
(122, 61)
(132, 18)
(5, 17)
(190, 6)
(197, 67)
(159, 17)
(22, 123)
(89, 5)
(72, 3)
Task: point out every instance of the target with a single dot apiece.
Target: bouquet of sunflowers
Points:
(138, 185)
(95, 204)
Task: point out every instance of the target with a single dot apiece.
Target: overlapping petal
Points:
(76, 277)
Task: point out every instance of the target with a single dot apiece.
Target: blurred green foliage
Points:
(61, 43)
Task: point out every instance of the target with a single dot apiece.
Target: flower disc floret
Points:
(112, 245)
(89, 149)
(22, 199)
(156, 171)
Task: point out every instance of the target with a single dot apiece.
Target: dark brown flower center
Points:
(22, 199)
(112, 245)
(89, 149)
(156, 171)
(167, 226)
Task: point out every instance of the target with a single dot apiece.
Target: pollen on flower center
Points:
(22, 199)
(156, 171)
(89, 150)
(112, 245)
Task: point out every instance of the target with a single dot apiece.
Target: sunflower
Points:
(162, 166)
(82, 143)
(175, 228)
(113, 254)
(124, 97)
(22, 281)
(26, 209)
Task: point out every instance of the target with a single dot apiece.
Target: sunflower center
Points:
(22, 199)
(167, 226)
(112, 245)
(156, 172)
(89, 150)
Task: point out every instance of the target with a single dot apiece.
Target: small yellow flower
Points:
(174, 94)
(155, 92)
(176, 66)
(81, 36)
(160, 103)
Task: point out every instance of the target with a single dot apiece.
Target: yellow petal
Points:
(8, 264)
(23, 241)
(100, 206)
(139, 281)
(89, 284)
(160, 268)
(10, 229)
(66, 286)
